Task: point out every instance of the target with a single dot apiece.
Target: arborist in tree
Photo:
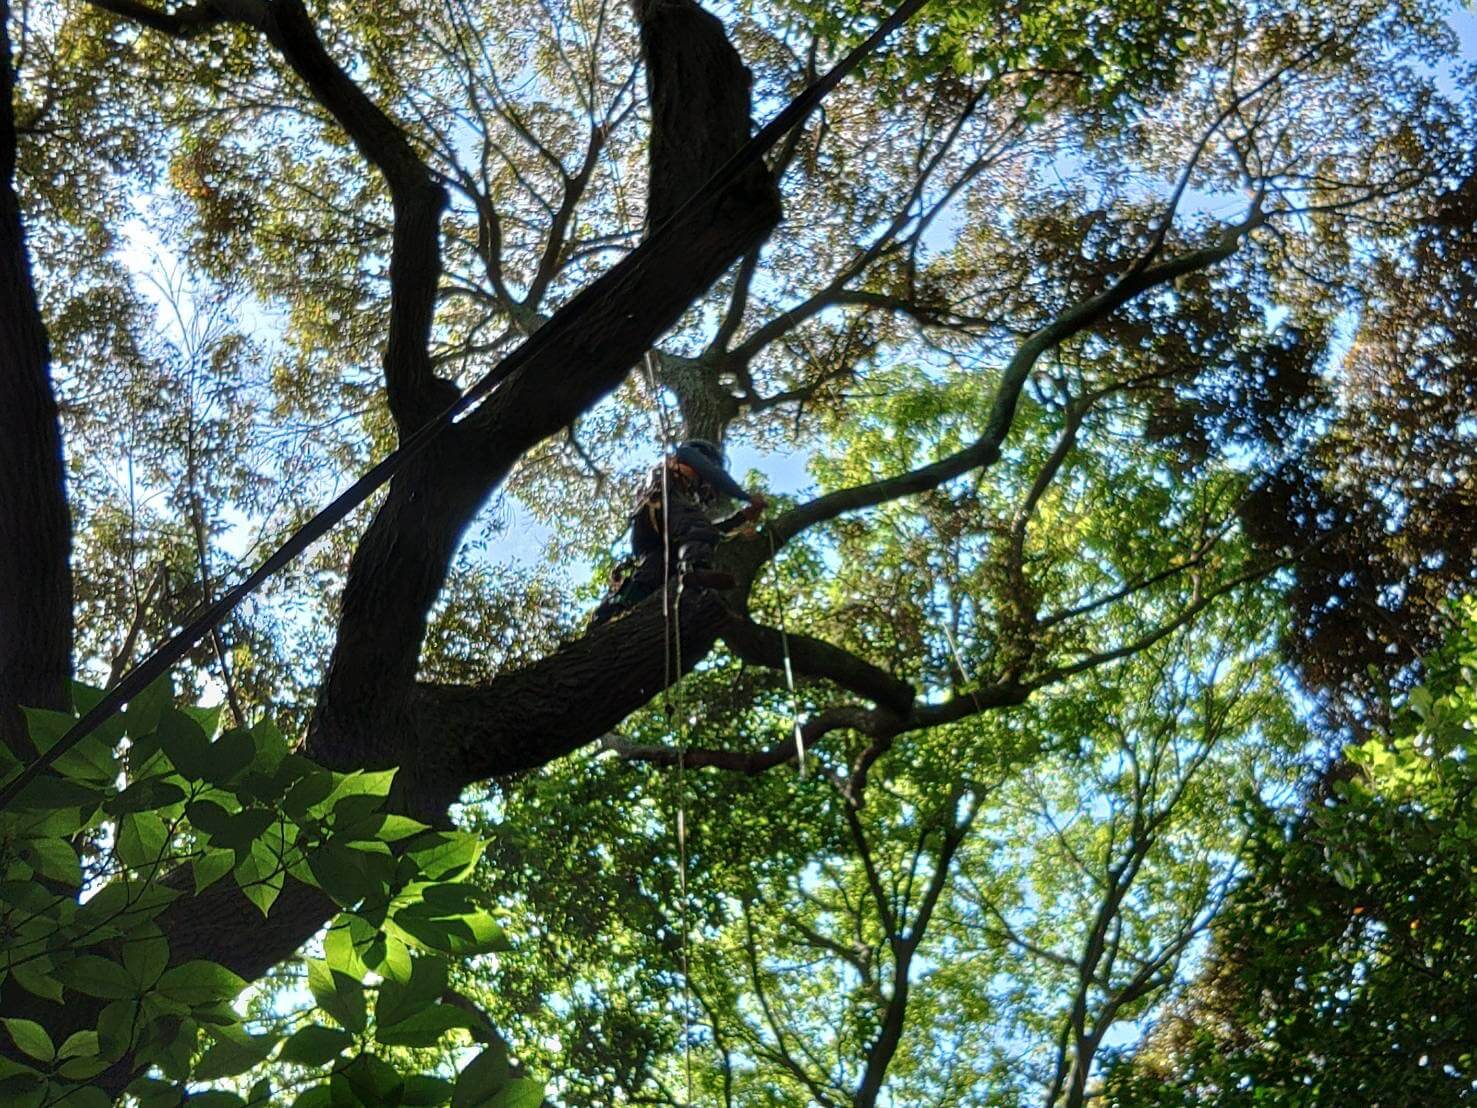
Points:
(690, 482)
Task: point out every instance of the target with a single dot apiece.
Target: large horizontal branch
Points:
(813, 657)
(884, 725)
(986, 450)
(528, 717)
(754, 761)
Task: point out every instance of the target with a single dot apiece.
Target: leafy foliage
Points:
(95, 853)
(1339, 974)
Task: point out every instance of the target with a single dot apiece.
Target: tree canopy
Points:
(1107, 369)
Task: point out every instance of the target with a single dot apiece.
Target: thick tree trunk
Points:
(35, 526)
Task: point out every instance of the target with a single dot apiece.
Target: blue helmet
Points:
(706, 460)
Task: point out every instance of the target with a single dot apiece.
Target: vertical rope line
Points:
(789, 668)
(672, 649)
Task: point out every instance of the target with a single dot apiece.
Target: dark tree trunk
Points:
(700, 112)
(35, 526)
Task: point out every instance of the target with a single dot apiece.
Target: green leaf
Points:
(31, 1038)
(373, 1080)
(169, 1043)
(145, 957)
(10, 1068)
(208, 719)
(119, 906)
(230, 754)
(521, 1092)
(145, 710)
(82, 1069)
(472, 933)
(90, 759)
(338, 994)
(215, 1098)
(200, 982)
(315, 1046)
(34, 975)
(142, 838)
(260, 877)
(61, 824)
(55, 859)
(148, 793)
(233, 1054)
(481, 1078)
(359, 783)
(359, 817)
(243, 829)
(210, 867)
(291, 769)
(208, 817)
(339, 950)
(94, 976)
(46, 793)
(447, 855)
(116, 1024)
(425, 1091)
(310, 789)
(270, 746)
(389, 957)
(154, 1093)
(319, 1096)
(218, 1013)
(340, 873)
(425, 987)
(394, 828)
(79, 1044)
(46, 727)
(425, 1027)
(184, 741)
(85, 697)
(87, 1097)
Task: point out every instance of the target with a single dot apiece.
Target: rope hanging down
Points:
(789, 671)
(160, 661)
(672, 701)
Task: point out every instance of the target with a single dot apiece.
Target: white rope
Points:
(789, 669)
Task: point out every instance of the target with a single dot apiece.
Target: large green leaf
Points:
(338, 994)
(200, 982)
(315, 1046)
(31, 1038)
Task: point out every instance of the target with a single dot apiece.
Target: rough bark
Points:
(35, 526)
(699, 93)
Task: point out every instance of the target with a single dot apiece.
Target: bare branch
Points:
(986, 451)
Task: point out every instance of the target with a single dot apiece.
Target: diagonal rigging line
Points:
(159, 662)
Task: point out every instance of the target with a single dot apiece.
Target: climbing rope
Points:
(672, 701)
(789, 669)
